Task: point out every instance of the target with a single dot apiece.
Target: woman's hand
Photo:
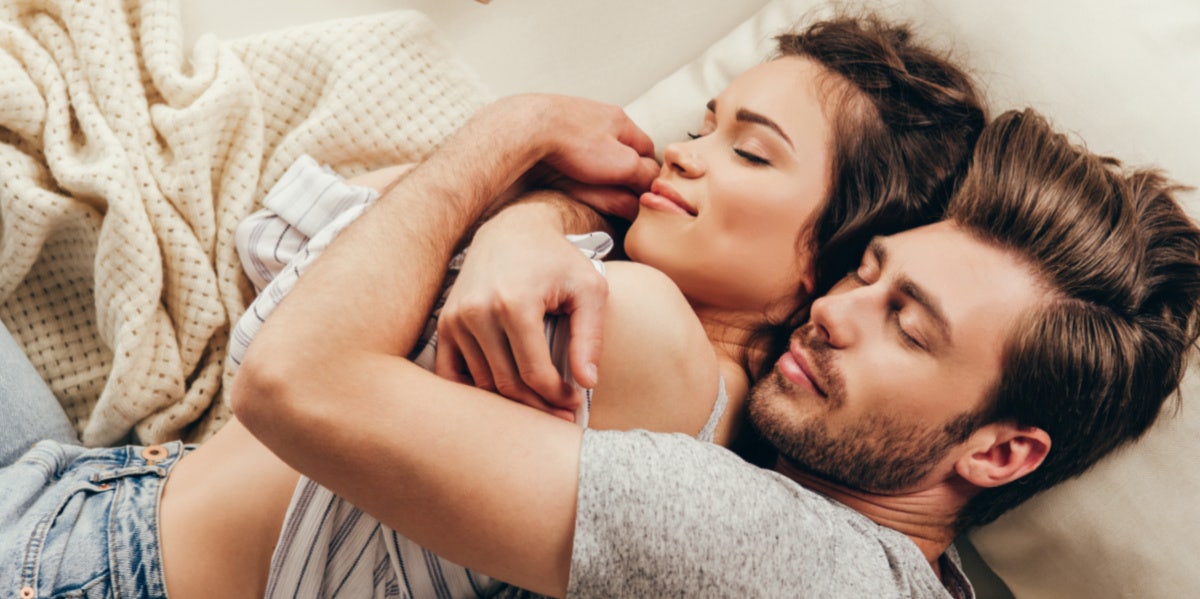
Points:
(519, 269)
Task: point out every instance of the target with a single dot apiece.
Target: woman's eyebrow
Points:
(749, 116)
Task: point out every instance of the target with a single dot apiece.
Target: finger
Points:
(531, 351)
(647, 170)
(495, 363)
(607, 164)
(568, 415)
(448, 361)
(635, 172)
(477, 365)
(557, 412)
(587, 332)
(454, 367)
(634, 137)
(507, 377)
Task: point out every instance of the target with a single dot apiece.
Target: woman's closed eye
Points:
(746, 155)
(751, 157)
(708, 126)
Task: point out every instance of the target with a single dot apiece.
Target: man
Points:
(998, 346)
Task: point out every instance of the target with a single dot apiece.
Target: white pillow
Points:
(676, 104)
(1126, 80)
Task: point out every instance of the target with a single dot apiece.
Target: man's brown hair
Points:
(1120, 259)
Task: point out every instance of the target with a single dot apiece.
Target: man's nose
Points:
(681, 157)
(836, 318)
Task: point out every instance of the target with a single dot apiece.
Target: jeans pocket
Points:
(75, 547)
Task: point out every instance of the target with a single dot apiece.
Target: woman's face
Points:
(729, 216)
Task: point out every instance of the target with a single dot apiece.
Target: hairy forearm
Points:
(324, 384)
(547, 209)
(398, 250)
(559, 210)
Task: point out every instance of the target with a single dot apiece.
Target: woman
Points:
(853, 132)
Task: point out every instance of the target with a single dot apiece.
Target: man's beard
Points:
(878, 453)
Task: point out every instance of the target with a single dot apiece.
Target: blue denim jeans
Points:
(83, 523)
(31, 412)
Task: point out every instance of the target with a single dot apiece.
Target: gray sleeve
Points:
(666, 515)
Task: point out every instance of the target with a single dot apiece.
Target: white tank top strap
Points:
(710, 428)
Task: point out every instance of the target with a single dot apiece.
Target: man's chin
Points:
(778, 404)
(869, 457)
(774, 413)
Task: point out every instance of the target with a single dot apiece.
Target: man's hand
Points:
(581, 158)
(520, 268)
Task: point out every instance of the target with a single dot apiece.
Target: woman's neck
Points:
(740, 353)
(732, 335)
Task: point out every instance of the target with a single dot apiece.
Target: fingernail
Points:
(593, 374)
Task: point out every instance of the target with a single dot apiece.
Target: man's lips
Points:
(662, 197)
(795, 367)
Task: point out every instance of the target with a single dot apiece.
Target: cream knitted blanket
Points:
(127, 160)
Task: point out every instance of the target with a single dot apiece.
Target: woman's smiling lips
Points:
(665, 199)
(795, 367)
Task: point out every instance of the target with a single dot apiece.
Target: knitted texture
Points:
(126, 163)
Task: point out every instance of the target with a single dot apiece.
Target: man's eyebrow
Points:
(749, 116)
(878, 249)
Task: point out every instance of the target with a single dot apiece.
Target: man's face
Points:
(895, 363)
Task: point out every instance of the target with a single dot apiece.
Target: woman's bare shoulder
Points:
(657, 368)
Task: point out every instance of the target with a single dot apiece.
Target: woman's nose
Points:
(681, 157)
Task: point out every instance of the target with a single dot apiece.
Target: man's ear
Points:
(1001, 452)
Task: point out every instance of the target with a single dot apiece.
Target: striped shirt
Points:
(329, 548)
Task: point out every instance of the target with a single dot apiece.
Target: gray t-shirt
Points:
(666, 515)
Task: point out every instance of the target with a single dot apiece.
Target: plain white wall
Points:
(595, 49)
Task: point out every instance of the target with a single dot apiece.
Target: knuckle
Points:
(595, 283)
(505, 302)
(510, 387)
(513, 298)
(473, 311)
(542, 378)
(447, 324)
(523, 310)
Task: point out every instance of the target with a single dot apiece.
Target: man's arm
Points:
(324, 387)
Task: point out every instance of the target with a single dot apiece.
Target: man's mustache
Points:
(821, 360)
